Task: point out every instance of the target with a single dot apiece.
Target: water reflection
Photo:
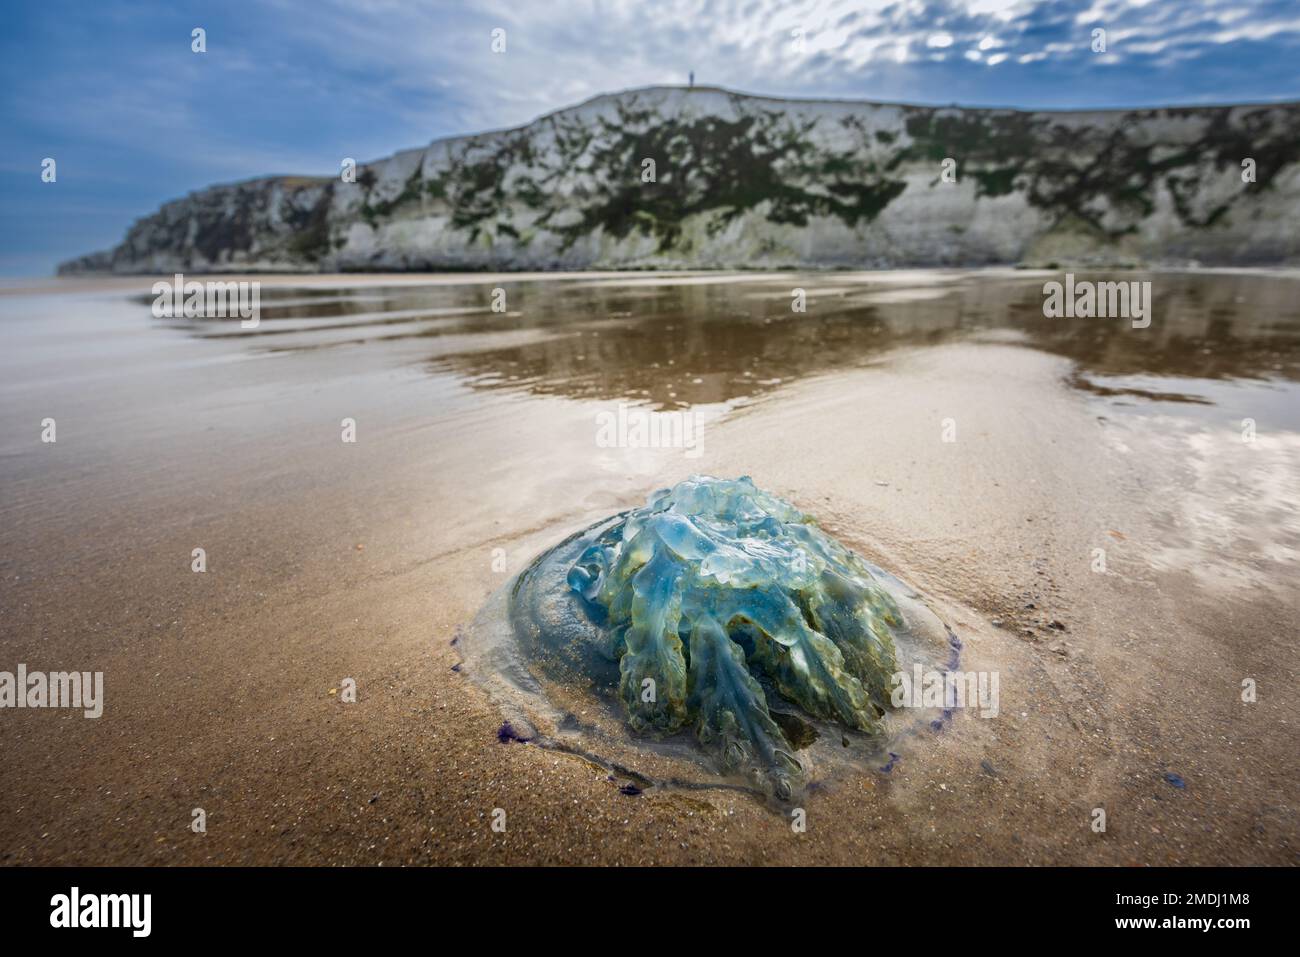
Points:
(673, 343)
(702, 344)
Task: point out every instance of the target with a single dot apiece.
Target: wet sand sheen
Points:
(475, 433)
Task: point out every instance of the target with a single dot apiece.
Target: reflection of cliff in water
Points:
(677, 341)
(685, 345)
(1206, 326)
(674, 346)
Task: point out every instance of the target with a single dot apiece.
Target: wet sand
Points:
(476, 433)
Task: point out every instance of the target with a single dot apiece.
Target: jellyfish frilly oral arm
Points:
(654, 650)
(846, 614)
(731, 715)
(809, 670)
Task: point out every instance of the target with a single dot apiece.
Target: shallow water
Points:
(705, 339)
(169, 401)
(709, 340)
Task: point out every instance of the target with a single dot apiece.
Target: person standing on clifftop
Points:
(692, 81)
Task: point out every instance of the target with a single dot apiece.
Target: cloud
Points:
(135, 117)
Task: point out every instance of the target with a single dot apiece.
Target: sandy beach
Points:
(1121, 689)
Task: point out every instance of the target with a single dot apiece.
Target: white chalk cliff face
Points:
(749, 182)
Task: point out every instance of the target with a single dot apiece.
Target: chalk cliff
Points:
(751, 182)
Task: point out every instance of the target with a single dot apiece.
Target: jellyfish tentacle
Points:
(845, 612)
(805, 664)
(731, 711)
(654, 650)
(809, 670)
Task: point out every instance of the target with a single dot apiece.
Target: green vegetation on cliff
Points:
(556, 191)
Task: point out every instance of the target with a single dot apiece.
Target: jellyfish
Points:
(721, 611)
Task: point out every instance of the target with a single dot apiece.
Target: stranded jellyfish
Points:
(720, 615)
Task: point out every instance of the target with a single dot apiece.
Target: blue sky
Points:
(112, 91)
